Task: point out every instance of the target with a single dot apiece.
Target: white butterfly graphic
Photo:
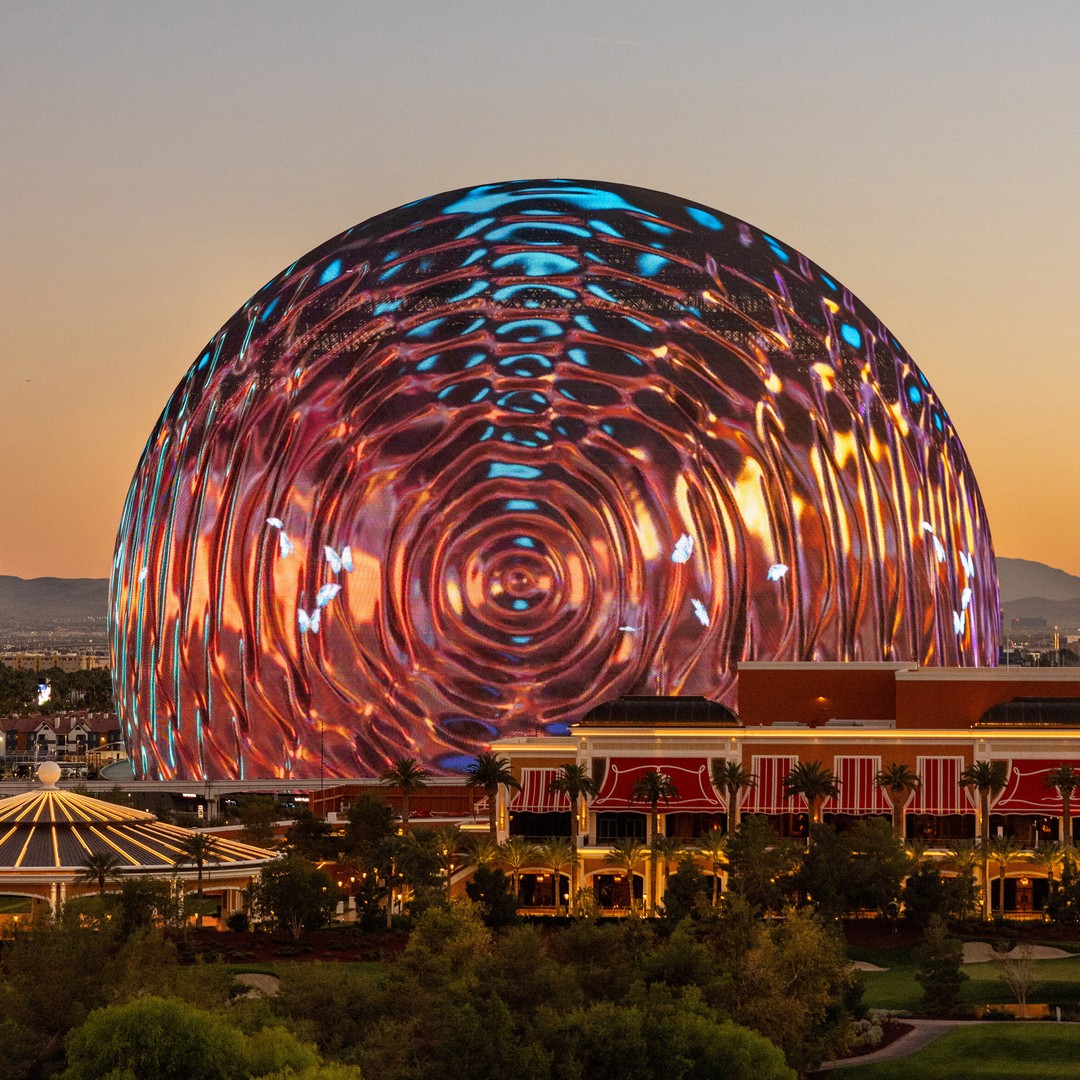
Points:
(699, 611)
(629, 629)
(142, 575)
(965, 599)
(338, 562)
(277, 523)
(959, 621)
(326, 594)
(968, 563)
(776, 571)
(684, 548)
(308, 622)
(927, 527)
(939, 550)
(285, 545)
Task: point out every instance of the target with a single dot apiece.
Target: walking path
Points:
(924, 1033)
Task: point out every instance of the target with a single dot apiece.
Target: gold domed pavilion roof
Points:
(51, 829)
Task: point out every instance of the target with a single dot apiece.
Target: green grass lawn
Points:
(987, 1052)
(15, 905)
(1057, 982)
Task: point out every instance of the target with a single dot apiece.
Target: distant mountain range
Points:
(1028, 590)
(49, 601)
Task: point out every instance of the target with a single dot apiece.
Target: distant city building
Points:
(47, 661)
(853, 719)
(63, 736)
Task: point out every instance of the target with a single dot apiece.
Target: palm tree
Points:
(99, 866)
(481, 851)
(731, 780)
(491, 772)
(898, 782)
(627, 855)
(198, 849)
(987, 778)
(1049, 855)
(963, 857)
(667, 850)
(516, 854)
(814, 783)
(1065, 780)
(1002, 849)
(447, 844)
(407, 775)
(651, 787)
(575, 782)
(713, 846)
(557, 856)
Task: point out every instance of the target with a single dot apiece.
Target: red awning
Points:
(689, 775)
(536, 796)
(1026, 791)
(940, 791)
(767, 795)
(859, 794)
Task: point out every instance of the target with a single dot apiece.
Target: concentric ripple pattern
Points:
(487, 459)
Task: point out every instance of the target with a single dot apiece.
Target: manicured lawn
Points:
(1057, 982)
(987, 1052)
(15, 905)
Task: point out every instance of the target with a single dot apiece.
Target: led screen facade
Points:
(492, 457)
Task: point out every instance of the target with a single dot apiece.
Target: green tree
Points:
(295, 895)
(815, 783)
(856, 870)
(988, 779)
(731, 779)
(408, 776)
(198, 849)
(653, 787)
(576, 783)
(713, 848)
(685, 889)
(370, 826)
(939, 958)
(258, 815)
(899, 782)
(311, 837)
(491, 889)
(1065, 780)
(759, 864)
(154, 1038)
(489, 772)
(99, 867)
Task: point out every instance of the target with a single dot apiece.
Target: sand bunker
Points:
(981, 952)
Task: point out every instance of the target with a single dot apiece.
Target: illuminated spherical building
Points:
(489, 458)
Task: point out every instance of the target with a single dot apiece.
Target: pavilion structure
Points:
(48, 837)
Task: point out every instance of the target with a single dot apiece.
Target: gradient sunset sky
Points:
(161, 161)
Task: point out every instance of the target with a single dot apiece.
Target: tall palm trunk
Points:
(984, 833)
(572, 905)
(493, 821)
(732, 811)
(654, 827)
(1066, 819)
